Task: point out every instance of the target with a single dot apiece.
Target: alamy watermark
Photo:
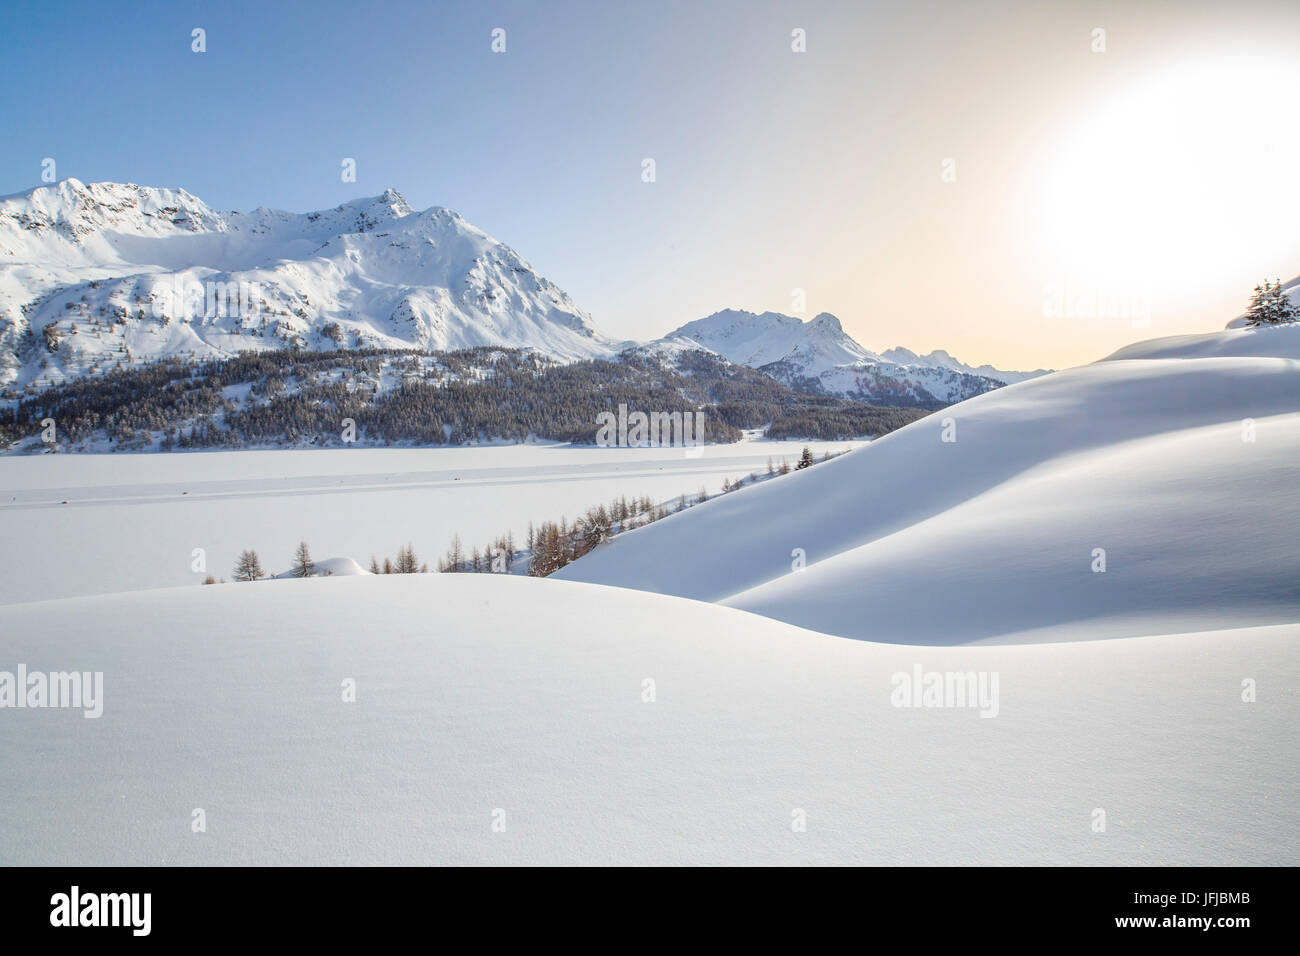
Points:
(1080, 299)
(210, 299)
(649, 430)
(940, 689)
(57, 689)
(129, 910)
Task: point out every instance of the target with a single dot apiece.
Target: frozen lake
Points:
(91, 524)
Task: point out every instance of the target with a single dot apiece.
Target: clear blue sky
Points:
(775, 170)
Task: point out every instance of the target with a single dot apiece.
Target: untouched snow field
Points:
(1181, 473)
(477, 694)
(132, 521)
(509, 720)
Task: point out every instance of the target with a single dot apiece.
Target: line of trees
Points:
(297, 397)
(405, 563)
(550, 545)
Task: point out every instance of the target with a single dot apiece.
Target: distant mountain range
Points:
(820, 357)
(106, 275)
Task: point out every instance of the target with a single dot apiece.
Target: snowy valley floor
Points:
(485, 698)
(132, 521)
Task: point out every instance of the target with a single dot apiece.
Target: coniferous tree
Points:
(1269, 305)
(407, 563)
(303, 566)
(805, 459)
(249, 567)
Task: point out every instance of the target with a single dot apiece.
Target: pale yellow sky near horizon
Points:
(1095, 197)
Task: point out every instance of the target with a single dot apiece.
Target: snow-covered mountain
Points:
(93, 276)
(819, 356)
(1152, 492)
(98, 276)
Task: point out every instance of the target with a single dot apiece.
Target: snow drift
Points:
(1150, 493)
(484, 699)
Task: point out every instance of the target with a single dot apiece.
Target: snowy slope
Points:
(87, 263)
(486, 698)
(329, 567)
(1237, 341)
(1184, 470)
(819, 356)
(1292, 290)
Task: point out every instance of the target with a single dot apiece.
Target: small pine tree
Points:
(805, 459)
(374, 566)
(303, 566)
(249, 567)
(1269, 305)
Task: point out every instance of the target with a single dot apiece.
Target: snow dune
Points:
(1182, 470)
(328, 567)
(478, 693)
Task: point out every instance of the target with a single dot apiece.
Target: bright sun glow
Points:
(1191, 173)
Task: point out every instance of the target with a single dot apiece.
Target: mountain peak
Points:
(80, 265)
(819, 356)
(394, 201)
(827, 322)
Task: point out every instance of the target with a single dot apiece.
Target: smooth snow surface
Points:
(1277, 341)
(1184, 471)
(91, 524)
(482, 693)
(329, 567)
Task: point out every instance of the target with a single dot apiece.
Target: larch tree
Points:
(249, 567)
(303, 566)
